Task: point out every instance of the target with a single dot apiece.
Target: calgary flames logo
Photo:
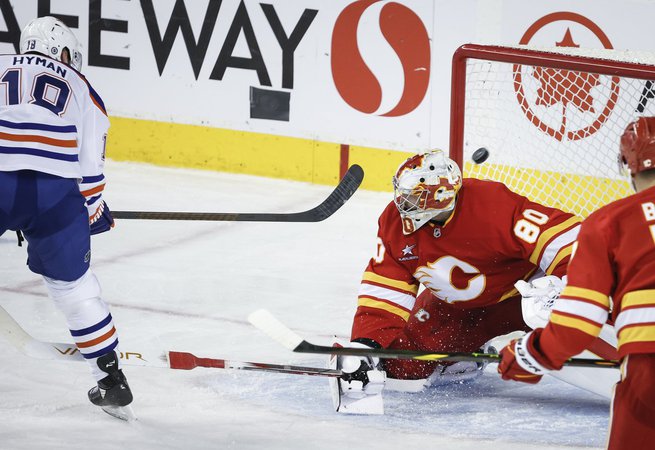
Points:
(566, 104)
(451, 279)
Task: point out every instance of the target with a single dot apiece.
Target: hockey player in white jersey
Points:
(53, 129)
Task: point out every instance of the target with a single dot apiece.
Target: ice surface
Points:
(189, 286)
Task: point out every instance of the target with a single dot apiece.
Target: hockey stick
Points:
(279, 332)
(344, 190)
(163, 359)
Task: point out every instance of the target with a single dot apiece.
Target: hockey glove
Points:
(359, 389)
(102, 220)
(539, 295)
(520, 361)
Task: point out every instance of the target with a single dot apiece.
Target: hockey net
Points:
(550, 119)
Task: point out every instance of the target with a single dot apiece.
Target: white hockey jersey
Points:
(52, 121)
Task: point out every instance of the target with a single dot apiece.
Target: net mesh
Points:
(553, 134)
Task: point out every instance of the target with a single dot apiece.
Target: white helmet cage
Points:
(425, 186)
(50, 36)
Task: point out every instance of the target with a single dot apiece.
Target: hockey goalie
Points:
(449, 253)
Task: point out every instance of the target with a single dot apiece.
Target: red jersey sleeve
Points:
(387, 292)
(584, 304)
(544, 235)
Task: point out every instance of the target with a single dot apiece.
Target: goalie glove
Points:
(359, 389)
(539, 295)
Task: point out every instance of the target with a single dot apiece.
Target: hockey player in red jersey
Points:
(467, 241)
(53, 129)
(612, 273)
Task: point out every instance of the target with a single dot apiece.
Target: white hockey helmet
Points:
(50, 36)
(425, 186)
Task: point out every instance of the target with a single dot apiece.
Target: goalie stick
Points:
(163, 359)
(279, 332)
(344, 190)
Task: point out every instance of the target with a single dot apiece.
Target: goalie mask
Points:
(425, 186)
(49, 36)
(638, 146)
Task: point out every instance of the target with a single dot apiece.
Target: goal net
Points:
(550, 119)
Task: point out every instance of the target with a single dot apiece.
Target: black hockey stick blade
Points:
(279, 332)
(344, 190)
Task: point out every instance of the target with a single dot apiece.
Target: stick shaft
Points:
(279, 332)
(188, 361)
(307, 347)
(344, 190)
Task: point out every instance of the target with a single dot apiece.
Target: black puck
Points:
(480, 155)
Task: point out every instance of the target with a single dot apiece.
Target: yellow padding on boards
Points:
(200, 147)
(577, 194)
(379, 166)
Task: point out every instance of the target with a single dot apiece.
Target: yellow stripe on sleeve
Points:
(548, 234)
(645, 297)
(588, 294)
(571, 322)
(635, 334)
(563, 253)
(370, 276)
(370, 303)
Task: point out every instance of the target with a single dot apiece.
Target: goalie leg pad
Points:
(455, 373)
(435, 325)
(598, 381)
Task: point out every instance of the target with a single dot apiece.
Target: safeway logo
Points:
(380, 57)
(566, 105)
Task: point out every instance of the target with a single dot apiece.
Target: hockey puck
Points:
(480, 155)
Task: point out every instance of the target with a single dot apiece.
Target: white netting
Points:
(553, 134)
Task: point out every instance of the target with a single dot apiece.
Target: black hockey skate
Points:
(112, 393)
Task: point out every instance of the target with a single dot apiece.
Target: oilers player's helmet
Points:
(638, 145)
(50, 36)
(425, 186)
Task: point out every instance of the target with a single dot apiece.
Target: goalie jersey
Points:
(494, 238)
(52, 121)
(612, 273)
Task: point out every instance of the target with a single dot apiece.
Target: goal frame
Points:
(522, 56)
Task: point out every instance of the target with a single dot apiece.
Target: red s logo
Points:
(404, 31)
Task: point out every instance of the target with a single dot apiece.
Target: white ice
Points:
(189, 286)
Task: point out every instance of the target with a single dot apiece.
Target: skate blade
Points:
(120, 412)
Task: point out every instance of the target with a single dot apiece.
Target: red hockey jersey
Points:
(493, 238)
(612, 272)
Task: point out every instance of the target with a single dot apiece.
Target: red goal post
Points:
(551, 119)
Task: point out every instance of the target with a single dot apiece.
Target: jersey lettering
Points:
(48, 91)
(649, 210)
(527, 229)
(380, 251)
(11, 80)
